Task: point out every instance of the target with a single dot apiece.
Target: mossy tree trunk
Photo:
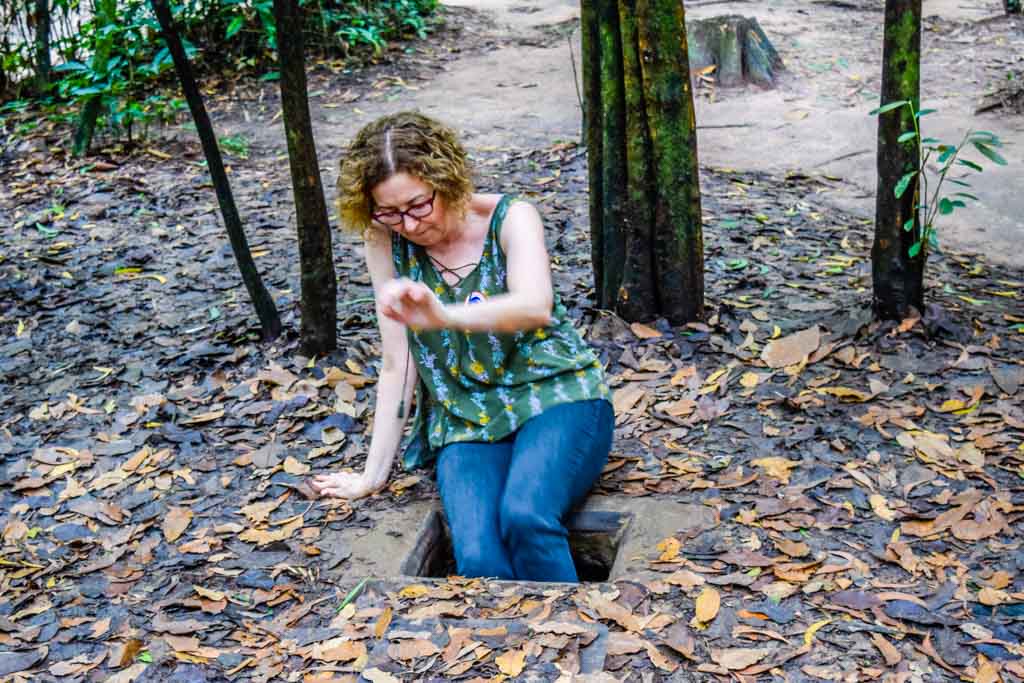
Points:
(106, 16)
(261, 299)
(43, 65)
(898, 278)
(316, 258)
(642, 150)
(738, 49)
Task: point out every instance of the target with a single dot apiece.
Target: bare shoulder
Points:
(377, 249)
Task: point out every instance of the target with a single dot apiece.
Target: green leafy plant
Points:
(947, 158)
(237, 145)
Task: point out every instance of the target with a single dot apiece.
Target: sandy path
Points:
(522, 92)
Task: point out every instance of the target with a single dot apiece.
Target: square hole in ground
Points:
(594, 540)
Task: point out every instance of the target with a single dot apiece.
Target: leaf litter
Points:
(864, 478)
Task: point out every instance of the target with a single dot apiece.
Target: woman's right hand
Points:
(347, 485)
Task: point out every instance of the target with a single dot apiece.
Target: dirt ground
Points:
(815, 122)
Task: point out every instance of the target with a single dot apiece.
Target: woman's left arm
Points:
(528, 302)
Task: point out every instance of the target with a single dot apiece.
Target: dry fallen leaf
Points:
(644, 332)
(707, 605)
(511, 663)
(412, 648)
(793, 349)
(776, 467)
(736, 658)
(175, 522)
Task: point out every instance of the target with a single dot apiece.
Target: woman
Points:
(509, 398)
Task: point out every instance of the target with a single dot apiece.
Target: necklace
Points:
(443, 270)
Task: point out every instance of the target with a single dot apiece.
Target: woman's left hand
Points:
(413, 304)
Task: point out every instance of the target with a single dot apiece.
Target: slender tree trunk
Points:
(261, 299)
(106, 15)
(637, 296)
(641, 139)
(592, 113)
(42, 45)
(678, 231)
(319, 285)
(612, 161)
(898, 279)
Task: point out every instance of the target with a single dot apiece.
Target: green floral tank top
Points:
(482, 386)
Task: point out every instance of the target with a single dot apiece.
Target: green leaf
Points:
(271, 76)
(959, 203)
(945, 206)
(966, 195)
(990, 153)
(234, 27)
(970, 164)
(961, 183)
(903, 183)
(946, 154)
(888, 107)
(146, 657)
(931, 141)
(915, 249)
(909, 225)
(909, 135)
(925, 112)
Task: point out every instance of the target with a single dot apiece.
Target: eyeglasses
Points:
(417, 211)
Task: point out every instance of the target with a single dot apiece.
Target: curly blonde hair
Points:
(406, 141)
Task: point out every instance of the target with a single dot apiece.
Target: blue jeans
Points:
(506, 501)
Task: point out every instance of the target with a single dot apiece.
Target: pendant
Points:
(476, 298)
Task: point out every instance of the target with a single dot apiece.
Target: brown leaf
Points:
(613, 611)
(511, 663)
(100, 628)
(405, 650)
(644, 332)
(685, 579)
(620, 643)
(175, 522)
(440, 608)
(338, 650)
(375, 675)
(294, 467)
(736, 658)
(383, 621)
(793, 349)
(564, 628)
(776, 467)
(659, 659)
(625, 398)
(792, 548)
(891, 654)
(680, 638)
(707, 605)
(265, 537)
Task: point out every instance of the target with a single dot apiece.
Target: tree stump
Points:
(738, 49)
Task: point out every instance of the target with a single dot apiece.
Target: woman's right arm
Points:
(395, 385)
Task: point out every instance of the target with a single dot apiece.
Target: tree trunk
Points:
(641, 138)
(1012, 6)
(42, 46)
(106, 15)
(898, 278)
(738, 49)
(316, 262)
(637, 294)
(261, 299)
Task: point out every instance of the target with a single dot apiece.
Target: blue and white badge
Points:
(476, 298)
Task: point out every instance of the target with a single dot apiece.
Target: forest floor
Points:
(815, 496)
